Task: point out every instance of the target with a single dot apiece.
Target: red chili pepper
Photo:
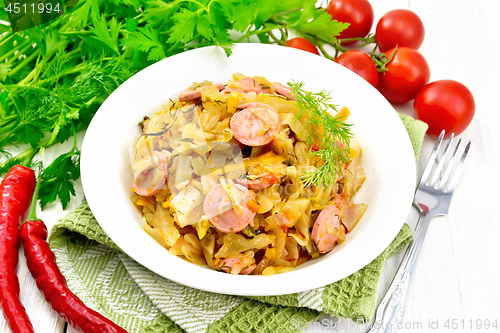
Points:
(41, 262)
(15, 194)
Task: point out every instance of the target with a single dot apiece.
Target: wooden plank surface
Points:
(457, 274)
(457, 271)
(456, 277)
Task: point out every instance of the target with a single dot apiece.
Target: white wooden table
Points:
(456, 279)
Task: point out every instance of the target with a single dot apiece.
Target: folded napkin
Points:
(139, 300)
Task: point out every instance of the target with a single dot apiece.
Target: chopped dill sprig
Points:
(333, 143)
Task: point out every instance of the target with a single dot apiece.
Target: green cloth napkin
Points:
(139, 300)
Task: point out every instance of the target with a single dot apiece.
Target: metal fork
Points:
(432, 198)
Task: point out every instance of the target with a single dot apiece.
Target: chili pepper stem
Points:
(34, 199)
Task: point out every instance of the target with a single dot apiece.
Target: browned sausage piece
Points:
(219, 210)
(283, 90)
(255, 125)
(328, 219)
(248, 84)
(237, 264)
(195, 94)
(150, 180)
(259, 183)
(228, 90)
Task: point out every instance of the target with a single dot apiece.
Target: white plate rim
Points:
(270, 59)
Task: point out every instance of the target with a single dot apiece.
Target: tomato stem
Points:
(254, 32)
(284, 34)
(270, 33)
(366, 40)
(322, 49)
(335, 44)
(381, 60)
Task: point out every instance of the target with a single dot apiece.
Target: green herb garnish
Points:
(332, 153)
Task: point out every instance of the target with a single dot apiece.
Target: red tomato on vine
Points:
(302, 44)
(445, 105)
(399, 27)
(361, 64)
(406, 74)
(358, 13)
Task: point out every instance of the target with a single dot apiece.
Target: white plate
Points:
(388, 161)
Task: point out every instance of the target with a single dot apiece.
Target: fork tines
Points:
(433, 174)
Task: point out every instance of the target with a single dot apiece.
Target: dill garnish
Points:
(333, 144)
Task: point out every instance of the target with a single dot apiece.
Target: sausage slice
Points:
(219, 210)
(192, 95)
(260, 183)
(255, 125)
(151, 179)
(283, 90)
(328, 219)
(249, 84)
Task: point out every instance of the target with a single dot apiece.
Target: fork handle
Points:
(389, 315)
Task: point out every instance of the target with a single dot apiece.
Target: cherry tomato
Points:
(361, 64)
(408, 72)
(359, 13)
(445, 105)
(302, 44)
(399, 27)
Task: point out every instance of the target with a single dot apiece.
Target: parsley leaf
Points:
(58, 179)
(131, 24)
(184, 28)
(203, 27)
(134, 3)
(319, 23)
(108, 37)
(223, 40)
(29, 133)
(242, 13)
(80, 14)
(157, 10)
(49, 42)
(147, 40)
